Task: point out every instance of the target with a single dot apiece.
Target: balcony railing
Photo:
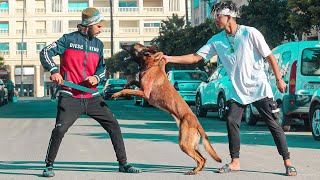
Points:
(151, 29)
(4, 31)
(19, 10)
(19, 31)
(38, 51)
(19, 52)
(153, 9)
(41, 31)
(72, 30)
(4, 10)
(76, 9)
(4, 52)
(103, 9)
(106, 52)
(106, 30)
(129, 30)
(128, 9)
(40, 10)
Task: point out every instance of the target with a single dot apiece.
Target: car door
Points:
(209, 90)
(219, 83)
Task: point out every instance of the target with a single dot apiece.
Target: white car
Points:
(213, 94)
(314, 115)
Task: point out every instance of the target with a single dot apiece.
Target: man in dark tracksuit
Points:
(81, 62)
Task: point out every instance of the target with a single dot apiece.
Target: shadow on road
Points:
(6, 166)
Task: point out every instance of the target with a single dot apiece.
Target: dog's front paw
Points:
(116, 95)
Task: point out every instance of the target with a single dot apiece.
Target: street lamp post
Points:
(111, 26)
(22, 46)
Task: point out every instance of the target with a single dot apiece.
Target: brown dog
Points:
(159, 92)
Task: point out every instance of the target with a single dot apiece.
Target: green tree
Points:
(116, 63)
(270, 17)
(176, 39)
(2, 64)
(305, 15)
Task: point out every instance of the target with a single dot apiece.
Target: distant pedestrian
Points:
(10, 87)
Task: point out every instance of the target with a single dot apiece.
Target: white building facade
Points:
(47, 20)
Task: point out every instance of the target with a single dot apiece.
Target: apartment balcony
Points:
(4, 53)
(19, 52)
(151, 30)
(40, 10)
(128, 9)
(4, 11)
(19, 10)
(19, 31)
(103, 9)
(41, 31)
(129, 30)
(4, 31)
(106, 52)
(153, 9)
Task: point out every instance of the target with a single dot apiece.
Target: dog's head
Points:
(139, 53)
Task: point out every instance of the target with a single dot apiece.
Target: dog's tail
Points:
(207, 144)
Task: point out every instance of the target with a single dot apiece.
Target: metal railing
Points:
(72, 30)
(19, 31)
(4, 53)
(19, 52)
(76, 9)
(129, 30)
(19, 10)
(153, 9)
(4, 31)
(4, 10)
(40, 10)
(41, 31)
(106, 52)
(103, 9)
(151, 29)
(128, 9)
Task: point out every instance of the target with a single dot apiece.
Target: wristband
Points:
(277, 80)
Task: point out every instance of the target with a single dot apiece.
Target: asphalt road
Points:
(151, 140)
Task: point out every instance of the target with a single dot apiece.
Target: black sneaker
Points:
(128, 168)
(48, 172)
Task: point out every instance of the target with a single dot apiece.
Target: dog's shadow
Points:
(20, 167)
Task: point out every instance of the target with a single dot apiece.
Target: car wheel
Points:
(200, 111)
(222, 107)
(249, 117)
(136, 102)
(315, 122)
(284, 120)
(144, 103)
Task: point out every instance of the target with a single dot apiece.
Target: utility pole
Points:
(22, 47)
(187, 13)
(111, 26)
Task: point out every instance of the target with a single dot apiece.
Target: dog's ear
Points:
(152, 49)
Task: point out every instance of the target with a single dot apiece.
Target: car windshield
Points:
(189, 75)
(311, 62)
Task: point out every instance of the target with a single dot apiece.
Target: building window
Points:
(4, 49)
(57, 26)
(152, 24)
(128, 4)
(40, 27)
(21, 48)
(77, 7)
(19, 25)
(4, 28)
(40, 46)
(56, 5)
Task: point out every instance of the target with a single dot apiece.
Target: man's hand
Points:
(92, 80)
(281, 85)
(57, 78)
(166, 58)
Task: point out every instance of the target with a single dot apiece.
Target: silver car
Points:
(186, 82)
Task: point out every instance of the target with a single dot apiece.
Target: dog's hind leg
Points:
(188, 141)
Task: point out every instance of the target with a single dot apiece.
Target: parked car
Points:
(186, 82)
(112, 86)
(213, 93)
(314, 115)
(299, 63)
(139, 101)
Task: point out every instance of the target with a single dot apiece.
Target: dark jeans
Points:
(69, 110)
(267, 109)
